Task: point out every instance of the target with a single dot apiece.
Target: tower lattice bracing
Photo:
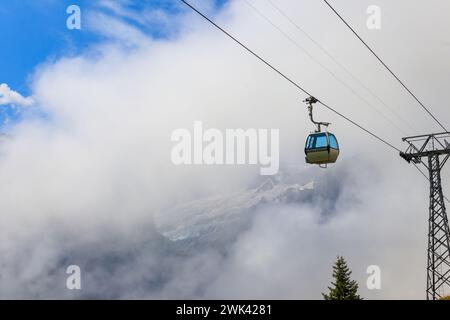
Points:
(433, 151)
(438, 279)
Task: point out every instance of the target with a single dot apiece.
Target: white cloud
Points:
(84, 181)
(9, 96)
(116, 29)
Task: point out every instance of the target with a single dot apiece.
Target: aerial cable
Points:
(288, 18)
(323, 66)
(293, 82)
(286, 77)
(346, 70)
(389, 69)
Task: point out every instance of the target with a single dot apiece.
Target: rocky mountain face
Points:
(120, 264)
(215, 221)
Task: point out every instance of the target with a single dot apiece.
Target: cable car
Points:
(321, 148)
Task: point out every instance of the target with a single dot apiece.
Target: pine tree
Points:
(343, 287)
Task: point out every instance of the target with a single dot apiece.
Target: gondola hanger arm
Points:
(310, 101)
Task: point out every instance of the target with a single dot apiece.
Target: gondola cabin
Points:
(321, 148)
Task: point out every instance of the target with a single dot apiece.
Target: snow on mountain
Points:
(218, 217)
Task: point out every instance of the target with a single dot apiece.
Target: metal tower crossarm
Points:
(436, 149)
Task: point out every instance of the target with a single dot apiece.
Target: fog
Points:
(81, 185)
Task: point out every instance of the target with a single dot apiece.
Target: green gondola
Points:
(321, 148)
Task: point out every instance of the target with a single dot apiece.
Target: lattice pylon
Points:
(438, 268)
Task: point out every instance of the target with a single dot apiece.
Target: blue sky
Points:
(34, 32)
